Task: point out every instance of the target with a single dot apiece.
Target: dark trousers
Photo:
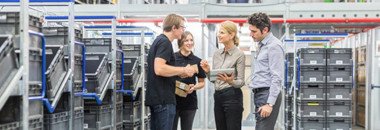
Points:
(187, 118)
(228, 108)
(261, 97)
(162, 117)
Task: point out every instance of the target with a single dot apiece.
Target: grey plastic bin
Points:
(132, 125)
(36, 123)
(130, 72)
(133, 49)
(311, 109)
(313, 75)
(131, 111)
(339, 91)
(339, 124)
(312, 92)
(102, 45)
(97, 72)
(10, 25)
(339, 75)
(339, 56)
(8, 61)
(338, 109)
(11, 111)
(56, 69)
(311, 124)
(98, 117)
(10, 126)
(312, 56)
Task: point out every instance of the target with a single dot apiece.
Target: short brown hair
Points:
(231, 28)
(170, 20)
(183, 38)
(260, 20)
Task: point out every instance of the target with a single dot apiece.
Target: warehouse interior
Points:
(82, 64)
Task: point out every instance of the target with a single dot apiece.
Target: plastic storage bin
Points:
(312, 124)
(11, 111)
(339, 124)
(312, 56)
(133, 50)
(339, 75)
(339, 91)
(338, 109)
(339, 56)
(312, 92)
(130, 72)
(314, 109)
(313, 75)
(9, 63)
(132, 125)
(101, 45)
(131, 111)
(60, 121)
(10, 25)
(97, 72)
(97, 117)
(56, 69)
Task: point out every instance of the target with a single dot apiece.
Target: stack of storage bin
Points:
(59, 36)
(339, 84)
(289, 95)
(9, 26)
(311, 98)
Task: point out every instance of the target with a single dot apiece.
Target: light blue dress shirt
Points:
(269, 67)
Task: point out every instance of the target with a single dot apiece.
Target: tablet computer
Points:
(215, 72)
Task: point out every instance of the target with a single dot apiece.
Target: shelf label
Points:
(85, 125)
(313, 96)
(313, 113)
(313, 62)
(339, 113)
(339, 79)
(313, 79)
(339, 96)
(339, 62)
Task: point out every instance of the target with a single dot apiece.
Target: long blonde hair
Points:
(231, 28)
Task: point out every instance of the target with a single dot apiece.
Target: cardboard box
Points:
(181, 85)
(195, 66)
(180, 92)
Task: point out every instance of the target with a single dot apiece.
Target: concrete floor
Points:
(253, 128)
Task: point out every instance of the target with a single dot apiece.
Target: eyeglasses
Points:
(183, 27)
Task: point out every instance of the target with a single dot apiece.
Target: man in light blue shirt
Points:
(268, 72)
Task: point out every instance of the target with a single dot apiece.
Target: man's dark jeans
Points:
(162, 117)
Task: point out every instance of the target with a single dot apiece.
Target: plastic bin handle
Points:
(43, 66)
(298, 73)
(122, 69)
(286, 74)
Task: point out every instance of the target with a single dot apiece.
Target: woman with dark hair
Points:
(186, 107)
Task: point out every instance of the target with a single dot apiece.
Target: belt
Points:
(256, 90)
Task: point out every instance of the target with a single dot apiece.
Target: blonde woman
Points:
(228, 107)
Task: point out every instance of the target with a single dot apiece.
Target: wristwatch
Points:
(271, 105)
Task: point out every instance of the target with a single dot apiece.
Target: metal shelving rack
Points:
(142, 34)
(71, 20)
(326, 42)
(295, 80)
(24, 54)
